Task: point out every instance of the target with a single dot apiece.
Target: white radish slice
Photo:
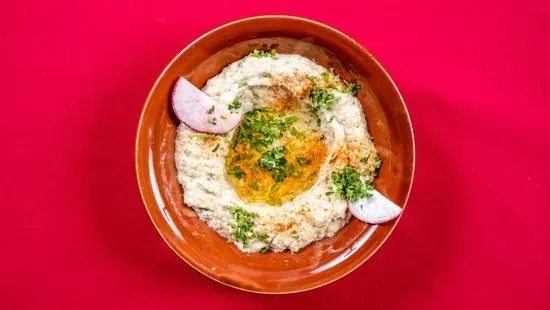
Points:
(374, 210)
(200, 112)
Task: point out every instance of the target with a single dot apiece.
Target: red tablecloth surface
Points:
(474, 74)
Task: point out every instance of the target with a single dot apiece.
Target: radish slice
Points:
(374, 210)
(200, 112)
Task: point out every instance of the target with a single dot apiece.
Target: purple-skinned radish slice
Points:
(200, 112)
(374, 210)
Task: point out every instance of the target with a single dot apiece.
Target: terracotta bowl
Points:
(321, 262)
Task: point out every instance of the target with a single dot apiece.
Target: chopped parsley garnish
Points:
(291, 170)
(302, 161)
(212, 121)
(348, 184)
(260, 54)
(287, 122)
(202, 136)
(242, 225)
(377, 162)
(331, 119)
(325, 76)
(279, 175)
(233, 106)
(259, 129)
(237, 172)
(329, 193)
(320, 99)
(368, 186)
(293, 131)
(254, 186)
(274, 160)
(351, 88)
(216, 148)
(264, 249)
(268, 75)
(211, 110)
(263, 236)
(365, 159)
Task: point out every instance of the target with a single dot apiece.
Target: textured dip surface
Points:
(270, 183)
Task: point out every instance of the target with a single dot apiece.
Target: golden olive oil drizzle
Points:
(276, 153)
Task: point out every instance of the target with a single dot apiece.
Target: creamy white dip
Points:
(312, 215)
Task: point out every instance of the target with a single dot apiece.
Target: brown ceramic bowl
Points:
(321, 262)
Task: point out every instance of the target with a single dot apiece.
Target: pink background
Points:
(474, 74)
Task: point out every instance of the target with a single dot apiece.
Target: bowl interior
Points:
(200, 246)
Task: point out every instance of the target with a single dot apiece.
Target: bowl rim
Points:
(140, 128)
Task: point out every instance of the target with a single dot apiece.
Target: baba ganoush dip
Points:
(283, 178)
